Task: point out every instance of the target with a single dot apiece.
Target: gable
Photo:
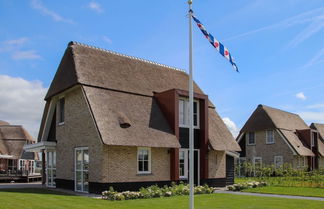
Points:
(258, 121)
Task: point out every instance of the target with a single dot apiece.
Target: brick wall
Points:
(78, 130)
(216, 164)
(122, 165)
(268, 151)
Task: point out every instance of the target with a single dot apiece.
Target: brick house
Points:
(13, 159)
(319, 144)
(274, 137)
(121, 121)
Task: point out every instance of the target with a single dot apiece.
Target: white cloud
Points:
(301, 96)
(95, 7)
(314, 17)
(22, 102)
(30, 54)
(107, 40)
(318, 58)
(316, 106)
(19, 41)
(38, 5)
(231, 126)
(313, 117)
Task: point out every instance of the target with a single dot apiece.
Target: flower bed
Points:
(246, 185)
(155, 191)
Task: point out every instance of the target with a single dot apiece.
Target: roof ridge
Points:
(279, 109)
(124, 55)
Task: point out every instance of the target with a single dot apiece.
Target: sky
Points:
(277, 45)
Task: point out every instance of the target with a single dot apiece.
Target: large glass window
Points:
(51, 168)
(12, 165)
(183, 163)
(22, 165)
(61, 110)
(184, 113)
(251, 138)
(143, 160)
(269, 137)
(82, 169)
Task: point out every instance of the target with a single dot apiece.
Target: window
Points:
(269, 137)
(301, 161)
(251, 138)
(61, 110)
(184, 113)
(12, 165)
(31, 166)
(257, 162)
(50, 168)
(183, 163)
(313, 138)
(22, 164)
(278, 161)
(82, 169)
(143, 160)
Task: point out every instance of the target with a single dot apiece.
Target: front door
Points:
(81, 169)
(184, 165)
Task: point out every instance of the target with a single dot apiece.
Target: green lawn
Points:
(299, 191)
(42, 198)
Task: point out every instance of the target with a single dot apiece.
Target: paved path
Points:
(271, 195)
(21, 185)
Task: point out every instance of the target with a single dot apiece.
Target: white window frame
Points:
(22, 164)
(248, 138)
(257, 158)
(61, 120)
(275, 160)
(50, 167)
(186, 113)
(80, 170)
(185, 163)
(31, 166)
(267, 137)
(312, 139)
(149, 160)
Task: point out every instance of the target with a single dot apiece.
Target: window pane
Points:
(78, 159)
(251, 138)
(62, 106)
(85, 181)
(181, 112)
(78, 180)
(140, 165)
(85, 160)
(145, 166)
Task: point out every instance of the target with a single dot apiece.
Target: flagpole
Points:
(191, 128)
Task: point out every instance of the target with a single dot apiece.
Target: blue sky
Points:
(277, 45)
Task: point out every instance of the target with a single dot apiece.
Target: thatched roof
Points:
(320, 128)
(220, 138)
(12, 140)
(120, 91)
(265, 117)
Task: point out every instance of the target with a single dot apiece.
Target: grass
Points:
(299, 191)
(43, 198)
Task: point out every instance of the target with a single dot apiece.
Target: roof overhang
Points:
(37, 147)
(233, 154)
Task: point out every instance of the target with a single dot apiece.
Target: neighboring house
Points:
(319, 144)
(116, 120)
(274, 137)
(13, 159)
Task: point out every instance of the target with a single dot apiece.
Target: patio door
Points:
(50, 168)
(81, 169)
(184, 162)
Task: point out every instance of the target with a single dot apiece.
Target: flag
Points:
(215, 43)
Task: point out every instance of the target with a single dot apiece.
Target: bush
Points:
(246, 185)
(155, 192)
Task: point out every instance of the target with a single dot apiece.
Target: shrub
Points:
(155, 192)
(240, 187)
